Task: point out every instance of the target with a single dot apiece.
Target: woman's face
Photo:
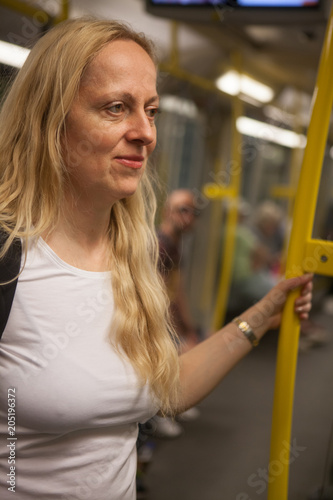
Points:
(110, 129)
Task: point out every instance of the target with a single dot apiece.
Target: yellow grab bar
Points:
(302, 251)
(232, 192)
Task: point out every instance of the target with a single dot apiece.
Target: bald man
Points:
(178, 217)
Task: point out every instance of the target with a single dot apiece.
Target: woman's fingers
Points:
(303, 308)
(307, 288)
(272, 304)
(303, 300)
(303, 303)
(303, 315)
(304, 281)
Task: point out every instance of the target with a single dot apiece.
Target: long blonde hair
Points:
(32, 178)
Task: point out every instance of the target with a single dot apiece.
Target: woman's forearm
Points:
(204, 366)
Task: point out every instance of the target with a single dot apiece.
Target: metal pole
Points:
(297, 262)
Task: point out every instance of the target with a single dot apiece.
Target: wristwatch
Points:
(246, 330)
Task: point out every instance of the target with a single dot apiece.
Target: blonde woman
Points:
(87, 353)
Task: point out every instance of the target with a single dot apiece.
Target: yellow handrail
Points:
(23, 7)
(232, 194)
(304, 254)
(32, 10)
(64, 12)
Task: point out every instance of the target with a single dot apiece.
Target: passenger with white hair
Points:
(255, 262)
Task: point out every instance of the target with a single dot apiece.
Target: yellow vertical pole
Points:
(294, 176)
(174, 52)
(304, 211)
(212, 243)
(231, 221)
(32, 10)
(64, 11)
(23, 7)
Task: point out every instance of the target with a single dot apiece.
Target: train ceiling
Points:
(280, 55)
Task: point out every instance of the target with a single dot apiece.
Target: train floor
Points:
(224, 454)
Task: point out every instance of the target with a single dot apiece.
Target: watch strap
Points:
(246, 330)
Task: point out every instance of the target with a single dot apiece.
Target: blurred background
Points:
(236, 85)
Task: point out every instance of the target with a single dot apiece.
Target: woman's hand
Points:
(303, 304)
(270, 307)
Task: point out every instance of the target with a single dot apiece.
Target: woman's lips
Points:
(132, 161)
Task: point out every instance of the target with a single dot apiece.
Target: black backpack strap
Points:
(9, 268)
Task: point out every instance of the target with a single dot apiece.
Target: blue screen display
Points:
(277, 3)
(242, 3)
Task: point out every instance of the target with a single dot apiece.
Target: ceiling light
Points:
(270, 133)
(233, 83)
(179, 105)
(12, 55)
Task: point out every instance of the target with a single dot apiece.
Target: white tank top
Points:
(75, 401)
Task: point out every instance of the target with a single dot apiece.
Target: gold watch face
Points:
(243, 325)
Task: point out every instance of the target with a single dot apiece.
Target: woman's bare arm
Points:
(204, 366)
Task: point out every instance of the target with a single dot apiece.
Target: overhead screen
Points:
(242, 11)
(241, 3)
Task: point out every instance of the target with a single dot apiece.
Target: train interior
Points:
(204, 126)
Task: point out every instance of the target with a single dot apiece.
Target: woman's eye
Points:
(152, 112)
(116, 108)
